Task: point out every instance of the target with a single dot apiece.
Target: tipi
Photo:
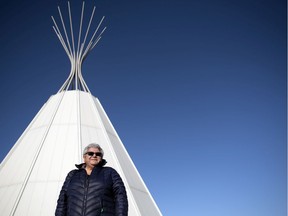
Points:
(67, 122)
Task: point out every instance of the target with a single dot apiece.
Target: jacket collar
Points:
(82, 165)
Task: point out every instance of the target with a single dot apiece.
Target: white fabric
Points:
(33, 172)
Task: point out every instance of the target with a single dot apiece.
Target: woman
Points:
(92, 189)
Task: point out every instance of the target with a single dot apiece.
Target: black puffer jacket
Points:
(102, 193)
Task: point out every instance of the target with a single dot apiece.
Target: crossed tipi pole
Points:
(32, 173)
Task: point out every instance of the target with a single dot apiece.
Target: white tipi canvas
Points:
(54, 140)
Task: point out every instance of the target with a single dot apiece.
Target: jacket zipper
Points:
(86, 186)
(102, 208)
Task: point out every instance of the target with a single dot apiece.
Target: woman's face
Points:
(92, 157)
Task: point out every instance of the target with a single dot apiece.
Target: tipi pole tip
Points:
(74, 41)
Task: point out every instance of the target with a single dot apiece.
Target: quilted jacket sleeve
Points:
(121, 202)
(62, 199)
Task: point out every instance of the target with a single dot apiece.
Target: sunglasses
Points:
(92, 153)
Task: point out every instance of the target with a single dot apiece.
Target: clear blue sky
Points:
(196, 89)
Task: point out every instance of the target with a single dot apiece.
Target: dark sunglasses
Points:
(92, 153)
